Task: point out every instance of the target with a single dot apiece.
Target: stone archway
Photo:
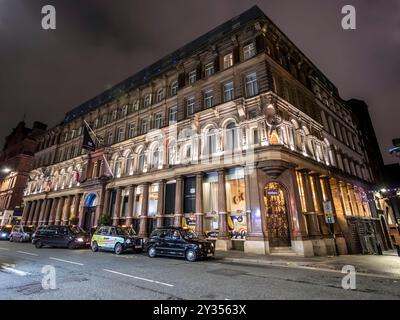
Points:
(276, 215)
(89, 212)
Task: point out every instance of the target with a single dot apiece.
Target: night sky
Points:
(98, 43)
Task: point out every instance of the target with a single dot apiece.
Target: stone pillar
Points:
(143, 215)
(160, 204)
(37, 212)
(77, 205)
(320, 210)
(340, 226)
(43, 210)
(25, 214)
(32, 212)
(223, 242)
(47, 211)
(131, 202)
(60, 209)
(311, 217)
(178, 202)
(107, 202)
(53, 211)
(117, 207)
(199, 205)
(67, 211)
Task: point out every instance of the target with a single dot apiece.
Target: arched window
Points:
(141, 161)
(211, 142)
(129, 165)
(147, 101)
(160, 95)
(172, 153)
(231, 137)
(174, 88)
(155, 158)
(118, 168)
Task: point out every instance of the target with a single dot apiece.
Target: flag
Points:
(107, 169)
(88, 142)
(230, 223)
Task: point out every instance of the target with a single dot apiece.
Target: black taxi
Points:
(178, 242)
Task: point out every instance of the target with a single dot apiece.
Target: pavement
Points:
(82, 274)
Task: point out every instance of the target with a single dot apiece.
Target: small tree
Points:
(74, 221)
(105, 220)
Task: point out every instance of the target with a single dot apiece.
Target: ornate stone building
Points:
(16, 161)
(237, 135)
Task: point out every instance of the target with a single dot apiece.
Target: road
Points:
(82, 274)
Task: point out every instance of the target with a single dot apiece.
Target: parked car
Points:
(116, 239)
(178, 242)
(71, 237)
(5, 232)
(21, 233)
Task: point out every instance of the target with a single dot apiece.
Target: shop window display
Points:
(236, 205)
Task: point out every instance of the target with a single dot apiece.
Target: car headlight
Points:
(212, 244)
(128, 241)
(80, 240)
(200, 246)
(3, 235)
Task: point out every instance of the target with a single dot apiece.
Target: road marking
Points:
(15, 271)
(139, 278)
(5, 249)
(28, 253)
(66, 261)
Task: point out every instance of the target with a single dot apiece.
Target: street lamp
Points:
(6, 170)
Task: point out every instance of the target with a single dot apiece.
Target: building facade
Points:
(236, 135)
(16, 162)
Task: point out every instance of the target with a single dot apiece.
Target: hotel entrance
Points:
(276, 215)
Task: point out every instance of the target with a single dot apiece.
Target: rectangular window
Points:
(121, 134)
(144, 126)
(172, 117)
(110, 139)
(228, 91)
(235, 200)
(249, 51)
(228, 60)
(208, 98)
(114, 115)
(190, 195)
(131, 132)
(190, 106)
(209, 69)
(158, 121)
(251, 85)
(192, 76)
(255, 135)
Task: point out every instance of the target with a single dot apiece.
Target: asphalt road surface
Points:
(82, 274)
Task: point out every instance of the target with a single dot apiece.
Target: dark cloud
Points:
(100, 42)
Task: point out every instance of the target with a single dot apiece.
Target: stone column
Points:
(59, 212)
(67, 211)
(32, 212)
(160, 203)
(311, 217)
(178, 202)
(117, 207)
(131, 202)
(199, 205)
(37, 212)
(53, 211)
(144, 211)
(25, 214)
(47, 211)
(77, 204)
(107, 202)
(43, 210)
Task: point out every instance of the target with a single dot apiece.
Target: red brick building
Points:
(16, 161)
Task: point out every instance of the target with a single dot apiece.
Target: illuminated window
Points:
(249, 51)
(228, 60)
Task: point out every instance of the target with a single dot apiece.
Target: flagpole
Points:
(92, 132)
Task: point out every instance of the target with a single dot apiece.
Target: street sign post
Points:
(330, 220)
